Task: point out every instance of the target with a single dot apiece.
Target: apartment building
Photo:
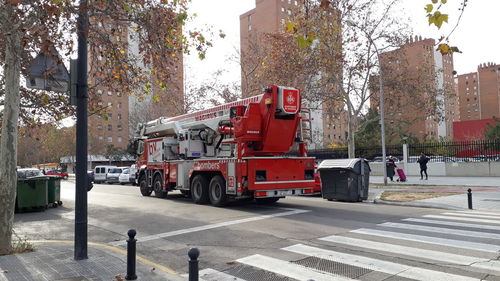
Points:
(419, 90)
(269, 17)
(479, 93)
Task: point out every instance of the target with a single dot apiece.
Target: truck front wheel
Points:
(217, 191)
(199, 189)
(143, 186)
(158, 187)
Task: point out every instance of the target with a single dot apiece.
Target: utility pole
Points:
(81, 136)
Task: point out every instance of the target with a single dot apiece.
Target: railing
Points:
(470, 151)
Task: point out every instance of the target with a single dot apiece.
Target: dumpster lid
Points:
(340, 163)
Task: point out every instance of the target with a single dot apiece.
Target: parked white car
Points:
(100, 173)
(113, 175)
(125, 177)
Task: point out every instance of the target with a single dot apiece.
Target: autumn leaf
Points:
(429, 8)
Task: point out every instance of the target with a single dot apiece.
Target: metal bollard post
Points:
(193, 254)
(469, 198)
(131, 255)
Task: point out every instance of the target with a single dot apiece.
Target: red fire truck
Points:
(233, 151)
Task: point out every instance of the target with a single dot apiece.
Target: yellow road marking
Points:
(116, 250)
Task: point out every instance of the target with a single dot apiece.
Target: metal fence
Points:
(470, 151)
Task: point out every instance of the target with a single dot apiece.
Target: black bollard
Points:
(469, 198)
(131, 255)
(193, 254)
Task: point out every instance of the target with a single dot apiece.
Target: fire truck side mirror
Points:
(140, 147)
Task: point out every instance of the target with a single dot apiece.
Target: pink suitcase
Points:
(401, 174)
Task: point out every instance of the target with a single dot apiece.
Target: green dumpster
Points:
(54, 191)
(32, 193)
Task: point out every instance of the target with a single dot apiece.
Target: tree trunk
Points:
(351, 146)
(8, 143)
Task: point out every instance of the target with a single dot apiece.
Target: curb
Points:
(418, 204)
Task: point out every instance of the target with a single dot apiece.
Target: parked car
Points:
(59, 173)
(133, 174)
(25, 173)
(101, 172)
(125, 177)
(113, 175)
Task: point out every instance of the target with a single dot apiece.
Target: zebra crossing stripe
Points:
(392, 268)
(462, 219)
(405, 250)
(490, 248)
(289, 269)
(209, 274)
(452, 223)
(479, 213)
(471, 215)
(442, 230)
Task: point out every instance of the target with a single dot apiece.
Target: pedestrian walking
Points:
(423, 160)
(390, 166)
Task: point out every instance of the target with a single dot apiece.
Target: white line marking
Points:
(462, 219)
(209, 274)
(480, 213)
(444, 230)
(451, 223)
(441, 257)
(377, 265)
(431, 240)
(210, 226)
(471, 215)
(289, 269)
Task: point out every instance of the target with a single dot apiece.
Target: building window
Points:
(118, 94)
(249, 17)
(110, 115)
(119, 116)
(110, 93)
(110, 139)
(110, 127)
(119, 127)
(282, 21)
(99, 103)
(249, 27)
(296, 2)
(99, 127)
(282, 9)
(120, 139)
(289, 2)
(100, 138)
(119, 105)
(110, 104)
(99, 92)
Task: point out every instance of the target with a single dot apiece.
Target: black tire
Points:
(158, 187)
(143, 185)
(267, 201)
(199, 189)
(217, 191)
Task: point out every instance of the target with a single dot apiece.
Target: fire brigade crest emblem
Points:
(290, 99)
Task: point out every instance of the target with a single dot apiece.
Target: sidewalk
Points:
(54, 261)
(485, 192)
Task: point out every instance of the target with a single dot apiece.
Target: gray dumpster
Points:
(345, 179)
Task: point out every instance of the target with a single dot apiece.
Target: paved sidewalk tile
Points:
(52, 262)
(480, 200)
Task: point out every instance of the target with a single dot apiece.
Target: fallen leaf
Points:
(230, 262)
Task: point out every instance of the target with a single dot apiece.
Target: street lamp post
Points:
(381, 101)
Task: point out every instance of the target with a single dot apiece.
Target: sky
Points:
(477, 35)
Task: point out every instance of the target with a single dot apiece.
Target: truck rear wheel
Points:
(158, 187)
(199, 189)
(217, 191)
(267, 201)
(143, 186)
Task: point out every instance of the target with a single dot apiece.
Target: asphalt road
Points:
(299, 238)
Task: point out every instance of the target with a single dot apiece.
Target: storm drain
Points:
(251, 273)
(338, 268)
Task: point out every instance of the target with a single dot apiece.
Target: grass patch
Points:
(404, 196)
(21, 245)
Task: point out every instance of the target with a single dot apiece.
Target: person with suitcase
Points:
(401, 175)
(390, 166)
(423, 160)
